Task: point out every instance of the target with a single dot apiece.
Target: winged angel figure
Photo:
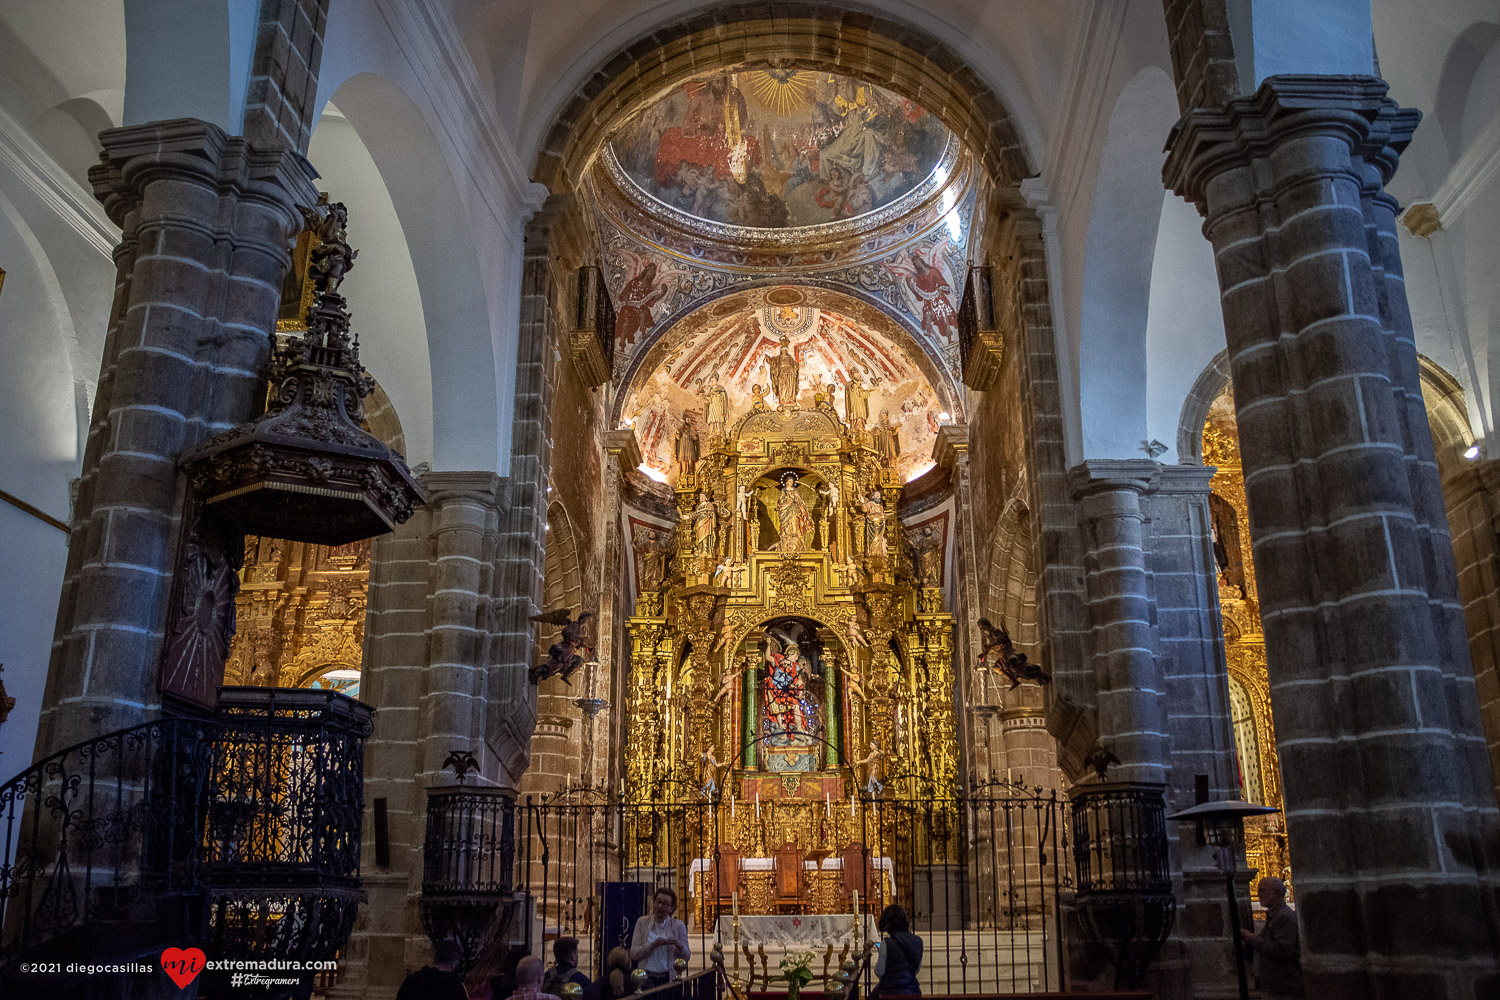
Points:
(791, 506)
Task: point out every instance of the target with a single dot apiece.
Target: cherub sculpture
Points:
(1010, 663)
(566, 656)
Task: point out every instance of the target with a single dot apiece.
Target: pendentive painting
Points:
(771, 147)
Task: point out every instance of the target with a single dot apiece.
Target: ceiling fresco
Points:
(834, 339)
(777, 147)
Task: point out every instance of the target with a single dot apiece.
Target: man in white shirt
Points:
(659, 939)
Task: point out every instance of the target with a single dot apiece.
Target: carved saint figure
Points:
(685, 447)
(651, 560)
(888, 440)
(857, 400)
(873, 509)
(784, 368)
(716, 410)
(784, 695)
(711, 765)
(705, 521)
(790, 507)
(928, 550)
(870, 764)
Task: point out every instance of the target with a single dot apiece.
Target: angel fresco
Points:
(790, 507)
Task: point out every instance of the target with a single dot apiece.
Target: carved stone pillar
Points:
(1389, 797)
(207, 220)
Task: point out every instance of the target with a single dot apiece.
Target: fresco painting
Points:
(772, 147)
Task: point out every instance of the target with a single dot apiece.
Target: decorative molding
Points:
(1093, 46)
(51, 183)
(1470, 175)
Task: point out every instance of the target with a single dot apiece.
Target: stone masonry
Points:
(1389, 797)
(207, 220)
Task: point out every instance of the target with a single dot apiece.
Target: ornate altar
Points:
(791, 667)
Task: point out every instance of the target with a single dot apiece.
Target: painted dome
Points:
(765, 147)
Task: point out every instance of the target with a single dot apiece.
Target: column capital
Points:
(196, 151)
(1106, 475)
(1207, 142)
(475, 487)
(1184, 479)
(951, 448)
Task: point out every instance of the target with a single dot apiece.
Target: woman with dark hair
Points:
(900, 956)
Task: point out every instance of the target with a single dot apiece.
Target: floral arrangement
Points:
(796, 969)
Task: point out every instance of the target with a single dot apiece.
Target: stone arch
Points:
(562, 574)
(1116, 287)
(905, 59)
(466, 371)
(1473, 47)
(934, 367)
(1212, 381)
(1011, 577)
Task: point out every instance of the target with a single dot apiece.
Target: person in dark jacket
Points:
(440, 980)
(1276, 950)
(900, 956)
(565, 955)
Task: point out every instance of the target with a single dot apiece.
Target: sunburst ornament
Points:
(782, 90)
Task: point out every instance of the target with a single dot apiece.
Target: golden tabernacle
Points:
(791, 663)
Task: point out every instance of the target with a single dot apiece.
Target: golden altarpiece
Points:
(1245, 652)
(790, 658)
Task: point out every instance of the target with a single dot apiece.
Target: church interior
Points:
(477, 463)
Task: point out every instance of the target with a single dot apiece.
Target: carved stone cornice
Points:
(625, 447)
(1208, 142)
(1100, 475)
(952, 445)
(478, 487)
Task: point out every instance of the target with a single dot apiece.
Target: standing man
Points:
(1277, 950)
(659, 939)
(529, 980)
(440, 980)
(565, 954)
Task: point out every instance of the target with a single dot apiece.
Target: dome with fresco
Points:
(764, 148)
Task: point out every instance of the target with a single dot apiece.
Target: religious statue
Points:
(758, 403)
(332, 258)
(871, 765)
(823, 396)
(685, 447)
(857, 400)
(711, 765)
(928, 550)
(705, 519)
(784, 368)
(790, 508)
(888, 440)
(651, 560)
(873, 508)
(998, 650)
(856, 635)
(567, 655)
(784, 691)
(716, 409)
(727, 683)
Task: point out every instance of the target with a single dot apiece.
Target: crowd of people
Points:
(659, 940)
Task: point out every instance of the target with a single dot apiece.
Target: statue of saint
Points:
(857, 400)
(705, 522)
(873, 509)
(790, 507)
(716, 410)
(685, 447)
(784, 368)
(929, 558)
(651, 560)
(888, 440)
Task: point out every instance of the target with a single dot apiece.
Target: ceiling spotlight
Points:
(1472, 451)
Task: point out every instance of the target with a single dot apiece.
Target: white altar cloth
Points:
(809, 932)
(883, 865)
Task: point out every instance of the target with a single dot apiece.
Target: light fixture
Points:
(1471, 452)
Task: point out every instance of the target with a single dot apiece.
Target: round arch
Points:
(898, 56)
(933, 366)
(466, 371)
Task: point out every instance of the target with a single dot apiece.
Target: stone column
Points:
(1389, 797)
(427, 648)
(1191, 641)
(207, 221)
(1127, 679)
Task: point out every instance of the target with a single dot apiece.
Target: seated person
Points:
(615, 982)
(529, 980)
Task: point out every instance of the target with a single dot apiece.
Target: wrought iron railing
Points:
(975, 308)
(1124, 877)
(980, 875)
(468, 864)
(255, 813)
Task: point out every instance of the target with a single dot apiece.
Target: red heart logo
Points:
(183, 964)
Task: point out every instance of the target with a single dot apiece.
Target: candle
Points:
(827, 804)
(735, 902)
(731, 805)
(757, 804)
(851, 805)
